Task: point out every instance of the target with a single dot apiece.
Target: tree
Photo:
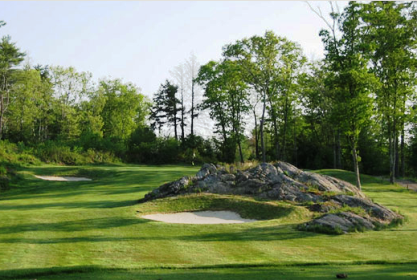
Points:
(70, 87)
(91, 120)
(226, 95)
(192, 67)
(24, 110)
(124, 110)
(165, 107)
(179, 74)
(291, 62)
(391, 33)
(320, 132)
(44, 103)
(254, 99)
(10, 57)
(347, 60)
(268, 65)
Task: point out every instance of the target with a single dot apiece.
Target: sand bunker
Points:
(63, 179)
(203, 217)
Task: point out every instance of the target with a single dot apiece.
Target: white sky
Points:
(141, 42)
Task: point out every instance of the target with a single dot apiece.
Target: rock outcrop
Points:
(282, 181)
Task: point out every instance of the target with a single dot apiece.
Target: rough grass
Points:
(91, 230)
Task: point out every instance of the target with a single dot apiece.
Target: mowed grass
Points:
(93, 230)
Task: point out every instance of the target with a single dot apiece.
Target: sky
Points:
(141, 42)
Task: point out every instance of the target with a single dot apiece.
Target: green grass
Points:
(92, 230)
(247, 207)
(358, 272)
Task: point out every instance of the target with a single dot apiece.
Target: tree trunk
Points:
(274, 121)
(334, 152)
(339, 151)
(182, 116)
(392, 157)
(276, 137)
(256, 137)
(397, 159)
(262, 128)
(356, 168)
(240, 151)
(1, 115)
(295, 146)
(284, 136)
(402, 172)
(175, 128)
(355, 163)
(192, 108)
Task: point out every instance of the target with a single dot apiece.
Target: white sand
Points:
(203, 217)
(63, 179)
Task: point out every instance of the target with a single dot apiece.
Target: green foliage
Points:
(61, 153)
(226, 96)
(269, 64)
(13, 154)
(165, 108)
(124, 110)
(11, 157)
(10, 57)
(347, 60)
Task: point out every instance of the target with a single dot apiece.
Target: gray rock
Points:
(374, 209)
(325, 207)
(288, 169)
(241, 176)
(344, 186)
(284, 181)
(316, 181)
(339, 223)
(227, 177)
(250, 186)
(168, 189)
(206, 169)
(264, 171)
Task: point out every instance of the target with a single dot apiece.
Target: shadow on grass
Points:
(71, 205)
(275, 233)
(245, 271)
(71, 226)
(88, 239)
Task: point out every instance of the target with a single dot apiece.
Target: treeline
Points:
(60, 115)
(355, 109)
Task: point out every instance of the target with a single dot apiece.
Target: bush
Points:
(57, 152)
(16, 154)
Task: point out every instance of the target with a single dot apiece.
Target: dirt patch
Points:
(202, 217)
(407, 184)
(410, 185)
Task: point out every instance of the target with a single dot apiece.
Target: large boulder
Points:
(339, 223)
(206, 169)
(374, 209)
(323, 194)
(168, 189)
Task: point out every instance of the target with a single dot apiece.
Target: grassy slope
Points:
(94, 224)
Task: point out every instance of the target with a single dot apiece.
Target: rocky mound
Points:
(341, 207)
